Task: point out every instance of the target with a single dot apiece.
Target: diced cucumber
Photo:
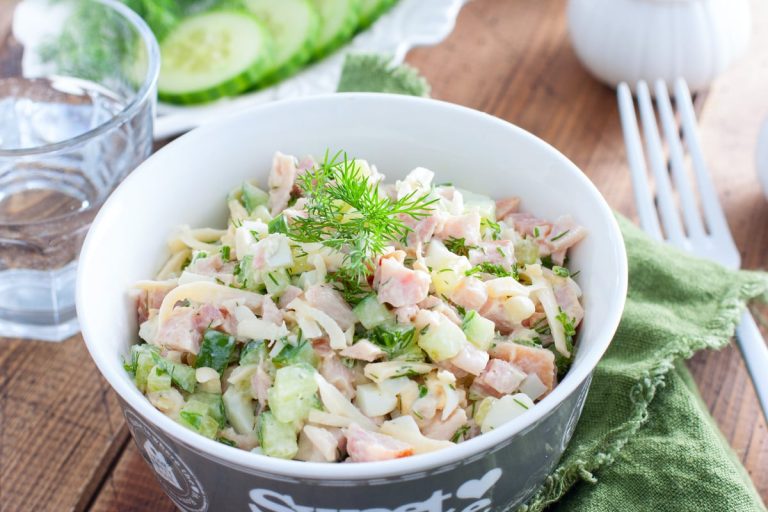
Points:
(203, 414)
(338, 21)
(200, 423)
(277, 439)
(370, 312)
(292, 395)
(252, 196)
(181, 375)
(210, 404)
(302, 352)
(276, 281)
(143, 360)
(294, 26)
(479, 330)
(370, 10)
(213, 54)
(254, 352)
(238, 406)
(158, 380)
(526, 252)
(442, 341)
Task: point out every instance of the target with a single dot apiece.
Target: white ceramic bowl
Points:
(186, 183)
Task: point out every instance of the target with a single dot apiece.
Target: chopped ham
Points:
(499, 378)
(470, 293)
(555, 238)
(401, 286)
(330, 302)
(282, 177)
(567, 295)
(449, 312)
(209, 266)
(208, 316)
(270, 312)
(406, 314)
(494, 310)
(470, 359)
(180, 331)
(363, 350)
(435, 305)
(461, 226)
(525, 223)
(506, 206)
(565, 234)
(455, 370)
(151, 297)
(496, 252)
(291, 292)
(530, 360)
(422, 230)
(445, 430)
(365, 446)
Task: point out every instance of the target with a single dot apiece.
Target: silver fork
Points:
(709, 237)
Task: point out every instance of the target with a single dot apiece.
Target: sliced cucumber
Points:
(370, 10)
(213, 54)
(294, 26)
(339, 19)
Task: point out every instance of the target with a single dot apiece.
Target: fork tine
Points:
(713, 213)
(683, 184)
(643, 199)
(670, 218)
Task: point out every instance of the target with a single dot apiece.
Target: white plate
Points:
(409, 24)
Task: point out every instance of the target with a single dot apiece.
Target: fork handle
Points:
(755, 354)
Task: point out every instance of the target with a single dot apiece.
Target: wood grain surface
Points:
(63, 443)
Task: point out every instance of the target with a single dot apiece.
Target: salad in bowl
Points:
(338, 317)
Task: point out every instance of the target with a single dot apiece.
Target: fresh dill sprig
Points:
(346, 212)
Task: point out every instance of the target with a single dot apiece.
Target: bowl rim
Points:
(259, 463)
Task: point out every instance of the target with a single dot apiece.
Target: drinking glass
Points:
(77, 99)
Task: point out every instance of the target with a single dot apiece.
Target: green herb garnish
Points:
(459, 246)
(278, 225)
(346, 213)
(521, 404)
(225, 251)
(492, 269)
(459, 434)
(423, 390)
(398, 342)
(352, 287)
(467, 319)
(215, 350)
(493, 227)
(561, 235)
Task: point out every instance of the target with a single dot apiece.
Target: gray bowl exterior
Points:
(499, 479)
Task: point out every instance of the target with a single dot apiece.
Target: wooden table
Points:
(63, 441)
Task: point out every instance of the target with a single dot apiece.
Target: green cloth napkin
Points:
(645, 441)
